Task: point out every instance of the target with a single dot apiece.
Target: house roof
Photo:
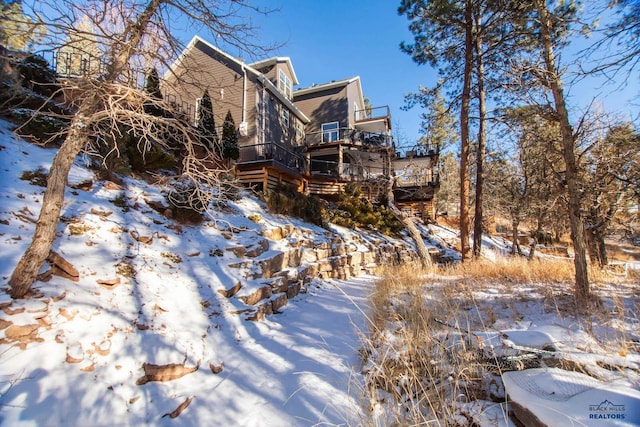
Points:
(276, 59)
(261, 77)
(332, 84)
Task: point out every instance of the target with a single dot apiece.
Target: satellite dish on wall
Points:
(243, 129)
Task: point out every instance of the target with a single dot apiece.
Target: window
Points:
(197, 114)
(330, 131)
(299, 132)
(284, 84)
(285, 118)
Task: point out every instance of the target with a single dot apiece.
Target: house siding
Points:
(204, 68)
(330, 105)
(354, 98)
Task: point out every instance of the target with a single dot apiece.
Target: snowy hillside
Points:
(148, 293)
(150, 327)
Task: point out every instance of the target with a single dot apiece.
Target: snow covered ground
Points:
(73, 354)
(147, 308)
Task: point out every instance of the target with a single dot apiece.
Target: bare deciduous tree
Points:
(129, 35)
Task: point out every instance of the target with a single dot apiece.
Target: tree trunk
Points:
(464, 134)
(596, 246)
(421, 248)
(480, 156)
(582, 291)
(31, 262)
(515, 246)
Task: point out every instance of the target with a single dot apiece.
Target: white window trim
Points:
(330, 131)
(197, 112)
(285, 84)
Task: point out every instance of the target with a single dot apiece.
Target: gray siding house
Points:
(318, 139)
(270, 126)
(346, 140)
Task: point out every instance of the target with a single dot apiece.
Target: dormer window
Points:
(284, 84)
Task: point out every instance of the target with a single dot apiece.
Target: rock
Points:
(261, 311)
(279, 285)
(278, 302)
(228, 293)
(290, 275)
(273, 233)
(294, 289)
(272, 265)
(108, 283)
(238, 251)
(163, 373)
(253, 298)
(258, 248)
(308, 255)
(61, 267)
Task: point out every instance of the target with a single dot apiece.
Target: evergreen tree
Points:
(554, 26)
(443, 36)
(17, 31)
(206, 121)
(152, 87)
(230, 148)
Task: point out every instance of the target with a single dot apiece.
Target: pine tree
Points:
(230, 148)
(443, 37)
(206, 121)
(17, 31)
(152, 87)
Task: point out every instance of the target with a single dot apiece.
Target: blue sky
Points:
(336, 39)
(333, 39)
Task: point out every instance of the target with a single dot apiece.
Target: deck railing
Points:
(271, 151)
(372, 113)
(427, 178)
(348, 171)
(347, 136)
(418, 151)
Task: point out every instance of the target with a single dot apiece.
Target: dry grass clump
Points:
(416, 366)
(521, 270)
(518, 269)
(424, 361)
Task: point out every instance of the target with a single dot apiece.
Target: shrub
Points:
(152, 159)
(353, 210)
(37, 75)
(44, 127)
(286, 200)
(120, 200)
(36, 177)
(188, 200)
